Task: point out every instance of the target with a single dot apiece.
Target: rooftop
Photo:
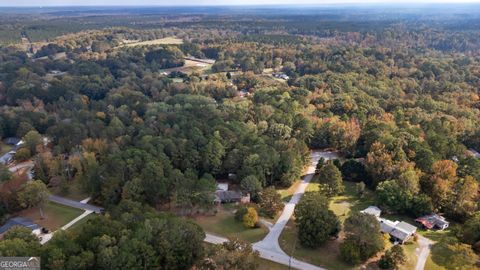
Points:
(19, 221)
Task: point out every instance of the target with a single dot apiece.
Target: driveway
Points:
(75, 204)
(425, 245)
(269, 248)
(270, 242)
(269, 255)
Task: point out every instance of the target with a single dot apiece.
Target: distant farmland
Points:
(161, 41)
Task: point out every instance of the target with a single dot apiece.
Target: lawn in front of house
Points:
(327, 256)
(4, 148)
(343, 204)
(224, 224)
(56, 215)
(411, 255)
(269, 265)
(439, 256)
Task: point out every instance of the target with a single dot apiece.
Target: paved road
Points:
(75, 204)
(269, 255)
(270, 242)
(425, 246)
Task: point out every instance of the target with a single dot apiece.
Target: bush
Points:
(22, 154)
(240, 213)
(250, 219)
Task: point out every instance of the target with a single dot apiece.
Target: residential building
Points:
(433, 221)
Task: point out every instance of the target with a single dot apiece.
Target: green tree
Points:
(331, 179)
(363, 238)
(5, 174)
(34, 194)
(252, 185)
(32, 139)
(214, 154)
(393, 258)
(315, 222)
(234, 254)
(270, 201)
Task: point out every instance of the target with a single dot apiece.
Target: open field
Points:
(56, 215)
(160, 41)
(224, 224)
(190, 67)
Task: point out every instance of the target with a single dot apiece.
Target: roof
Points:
(474, 152)
(12, 140)
(19, 221)
(372, 210)
(227, 195)
(429, 221)
(406, 227)
(400, 234)
(387, 226)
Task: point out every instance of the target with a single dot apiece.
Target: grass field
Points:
(269, 265)
(160, 41)
(224, 224)
(56, 215)
(4, 148)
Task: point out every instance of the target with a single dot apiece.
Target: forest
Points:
(398, 99)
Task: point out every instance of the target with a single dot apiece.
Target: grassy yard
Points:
(56, 215)
(439, 256)
(224, 224)
(411, 254)
(4, 148)
(287, 193)
(269, 265)
(328, 255)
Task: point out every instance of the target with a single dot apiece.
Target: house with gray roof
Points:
(19, 221)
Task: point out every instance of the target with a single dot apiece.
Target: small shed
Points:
(372, 210)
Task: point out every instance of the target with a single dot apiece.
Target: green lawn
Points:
(440, 256)
(4, 148)
(287, 193)
(56, 215)
(269, 265)
(224, 224)
(410, 249)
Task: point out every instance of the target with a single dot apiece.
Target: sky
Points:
(209, 2)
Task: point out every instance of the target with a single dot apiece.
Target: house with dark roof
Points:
(19, 221)
(433, 221)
